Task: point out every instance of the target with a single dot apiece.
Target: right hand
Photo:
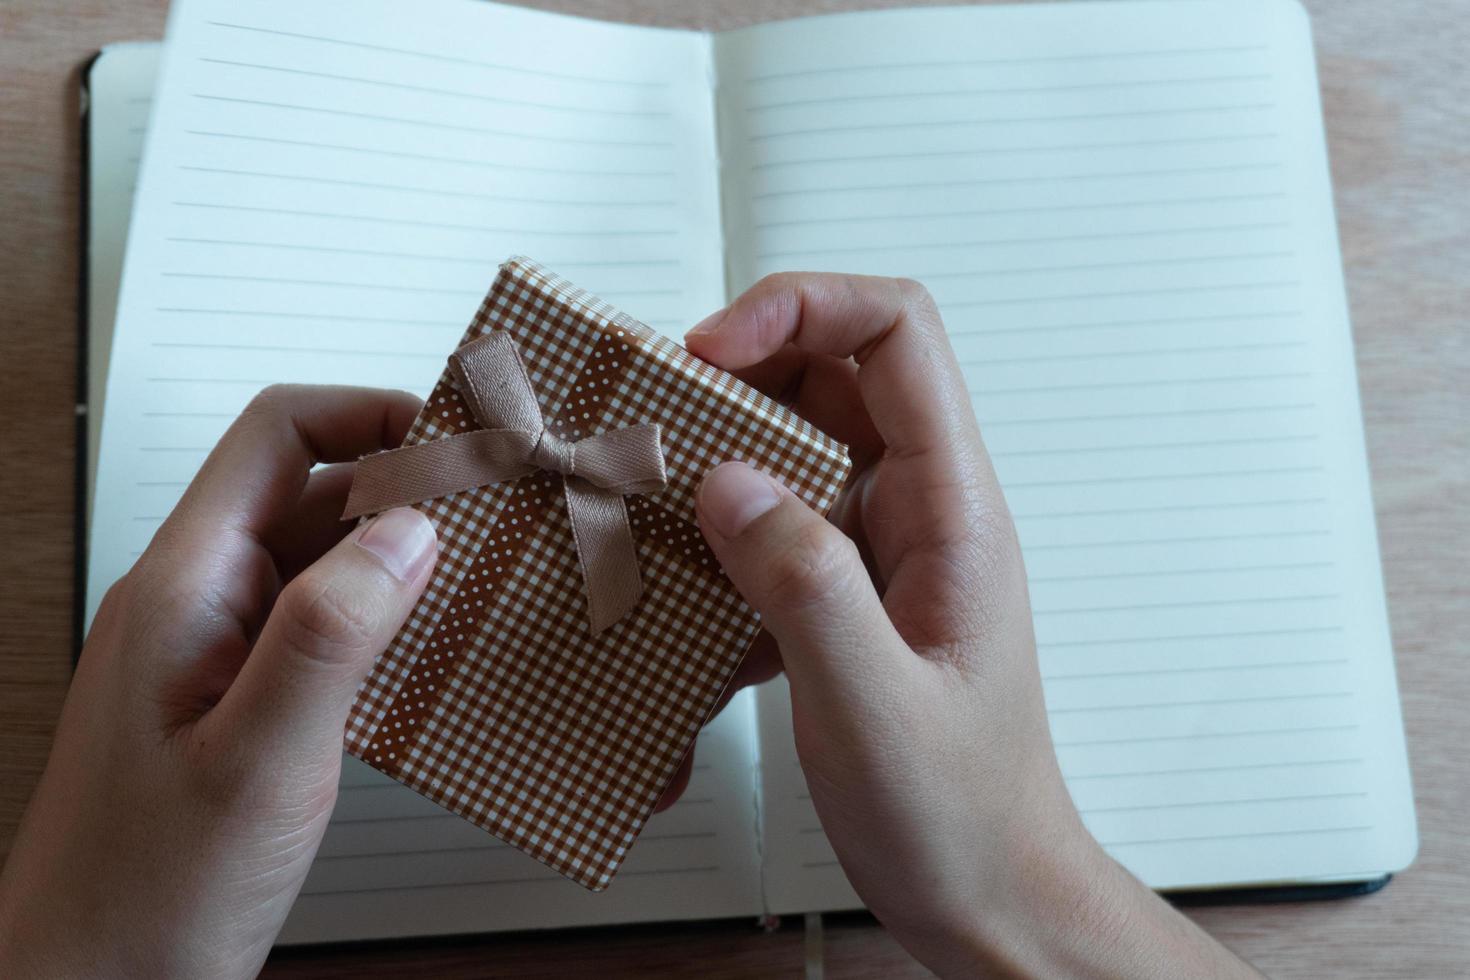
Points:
(905, 631)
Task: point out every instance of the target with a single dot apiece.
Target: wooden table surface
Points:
(1397, 93)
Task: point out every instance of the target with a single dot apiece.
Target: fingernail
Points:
(402, 539)
(709, 324)
(735, 494)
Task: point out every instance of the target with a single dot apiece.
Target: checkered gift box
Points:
(496, 700)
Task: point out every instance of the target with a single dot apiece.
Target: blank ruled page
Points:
(327, 190)
(1124, 212)
(394, 864)
(119, 95)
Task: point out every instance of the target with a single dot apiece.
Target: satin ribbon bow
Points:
(512, 443)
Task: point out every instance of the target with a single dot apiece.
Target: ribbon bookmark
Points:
(513, 442)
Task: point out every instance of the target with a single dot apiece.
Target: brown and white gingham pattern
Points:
(495, 700)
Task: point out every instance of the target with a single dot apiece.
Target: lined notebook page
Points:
(119, 95)
(327, 192)
(1124, 212)
(329, 188)
(394, 864)
(801, 872)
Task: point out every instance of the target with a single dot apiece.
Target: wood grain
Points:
(1396, 93)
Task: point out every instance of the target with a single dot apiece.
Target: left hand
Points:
(197, 756)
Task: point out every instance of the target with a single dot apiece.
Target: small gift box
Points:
(576, 632)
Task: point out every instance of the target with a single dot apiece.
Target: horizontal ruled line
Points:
(1233, 801)
(1144, 478)
(429, 124)
(1124, 293)
(1187, 637)
(1007, 90)
(1108, 324)
(489, 846)
(612, 263)
(291, 246)
(985, 62)
(911, 186)
(625, 293)
(548, 877)
(911, 216)
(380, 219)
(404, 852)
(983, 151)
(1030, 240)
(1178, 413)
(1152, 446)
(418, 256)
(400, 288)
(1240, 836)
(1193, 539)
(437, 192)
(1011, 120)
(1148, 383)
(1151, 477)
(335, 284)
(453, 93)
(1108, 576)
(1093, 266)
(683, 802)
(293, 315)
(433, 158)
(424, 816)
(441, 57)
(288, 349)
(1191, 604)
(1169, 508)
(1194, 669)
(1148, 352)
(1259, 732)
(1201, 703)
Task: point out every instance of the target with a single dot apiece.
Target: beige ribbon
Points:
(513, 443)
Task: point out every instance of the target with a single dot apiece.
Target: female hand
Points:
(905, 631)
(197, 756)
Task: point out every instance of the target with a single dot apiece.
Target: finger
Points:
(802, 575)
(761, 663)
(677, 785)
(824, 391)
(908, 376)
(293, 693)
(315, 524)
(257, 471)
(934, 519)
(211, 555)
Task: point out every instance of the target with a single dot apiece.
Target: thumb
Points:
(801, 574)
(327, 627)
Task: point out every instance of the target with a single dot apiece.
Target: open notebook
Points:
(1125, 214)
